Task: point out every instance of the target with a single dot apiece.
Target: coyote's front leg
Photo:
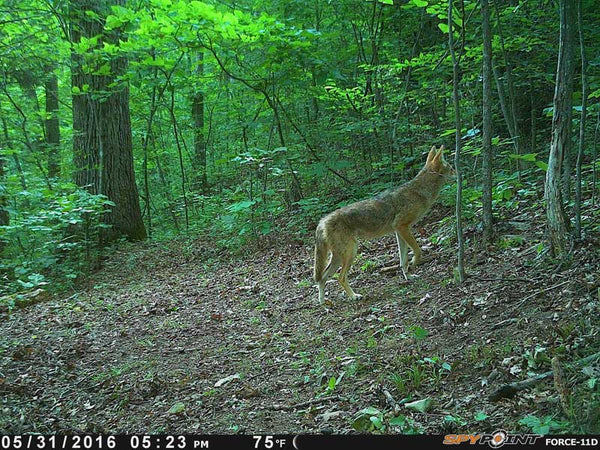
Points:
(403, 255)
(404, 231)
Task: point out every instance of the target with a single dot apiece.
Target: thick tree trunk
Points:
(118, 173)
(87, 145)
(102, 141)
(557, 221)
(487, 122)
(52, 126)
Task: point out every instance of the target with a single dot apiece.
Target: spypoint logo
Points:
(498, 439)
(495, 440)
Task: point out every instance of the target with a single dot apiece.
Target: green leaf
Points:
(531, 157)
(592, 383)
(241, 206)
(420, 405)
(362, 419)
(113, 22)
(177, 408)
(419, 333)
(377, 422)
(398, 421)
(332, 383)
(444, 27)
(480, 416)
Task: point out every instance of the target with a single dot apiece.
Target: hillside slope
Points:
(173, 337)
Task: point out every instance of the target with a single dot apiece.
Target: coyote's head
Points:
(437, 164)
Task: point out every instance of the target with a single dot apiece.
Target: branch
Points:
(509, 390)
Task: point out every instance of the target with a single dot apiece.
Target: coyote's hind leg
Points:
(331, 268)
(347, 258)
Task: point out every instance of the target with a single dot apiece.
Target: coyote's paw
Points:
(414, 262)
(327, 303)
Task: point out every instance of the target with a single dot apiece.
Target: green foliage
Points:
(54, 245)
(368, 420)
(543, 425)
(305, 108)
(372, 420)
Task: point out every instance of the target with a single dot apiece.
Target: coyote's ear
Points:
(438, 156)
(431, 154)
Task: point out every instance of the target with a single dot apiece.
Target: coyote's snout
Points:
(392, 211)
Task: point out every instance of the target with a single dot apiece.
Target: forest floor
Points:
(175, 337)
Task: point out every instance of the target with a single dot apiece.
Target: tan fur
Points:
(392, 211)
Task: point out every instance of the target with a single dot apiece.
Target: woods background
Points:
(241, 123)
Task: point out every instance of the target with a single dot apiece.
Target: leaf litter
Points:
(179, 337)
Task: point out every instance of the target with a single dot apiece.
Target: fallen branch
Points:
(390, 268)
(541, 292)
(23, 300)
(509, 390)
(509, 280)
(504, 322)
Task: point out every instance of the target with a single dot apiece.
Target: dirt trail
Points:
(172, 337)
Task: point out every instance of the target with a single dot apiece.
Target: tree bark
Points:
(52, 126)
(180, 155)
(582, 123)
(200, 181)
(458, 138)
(557, 221)
(87, 145)
(102, 141)
(487, 162)
(4, 216)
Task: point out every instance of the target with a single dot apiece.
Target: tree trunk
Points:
(487, 162)
(4, 216)
(200, 182)
(516, 134)
(87, 145)
(180, 154)
(52, 126)
(458, 137)
(557, 221)
(102, 140)
(582, 122)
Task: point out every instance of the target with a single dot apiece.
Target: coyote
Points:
(392, 211)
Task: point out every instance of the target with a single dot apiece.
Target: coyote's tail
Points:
(321, 253)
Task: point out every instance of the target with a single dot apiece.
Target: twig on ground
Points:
(511, 280)
(304, 404)
(504, 322)
(540, 292)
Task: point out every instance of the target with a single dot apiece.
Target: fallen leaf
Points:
(177, 408)
(223, 381)
(420, 405)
